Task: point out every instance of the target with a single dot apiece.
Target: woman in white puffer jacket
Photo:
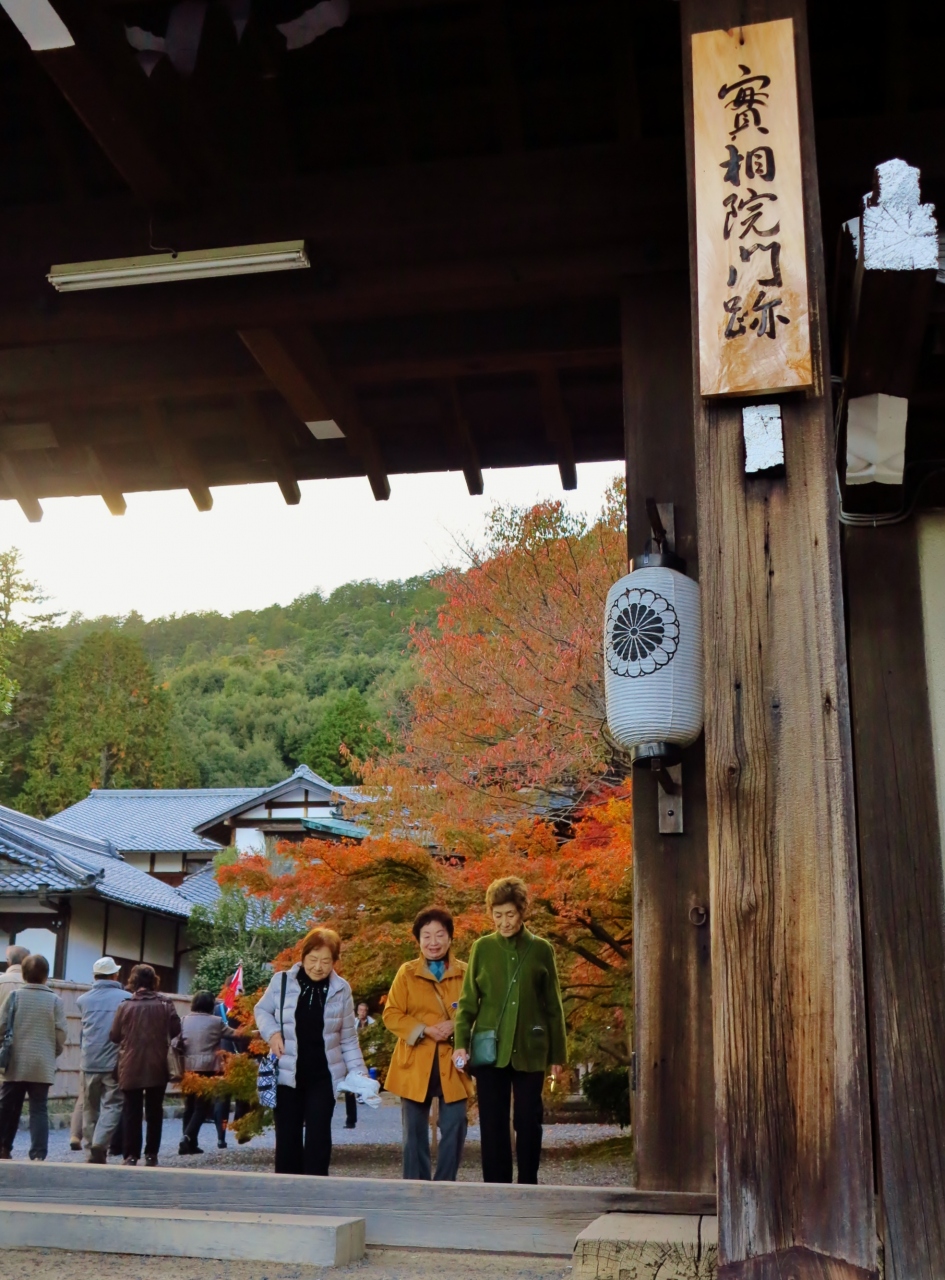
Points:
(311, 1029)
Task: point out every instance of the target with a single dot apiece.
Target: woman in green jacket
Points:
(509, 1030)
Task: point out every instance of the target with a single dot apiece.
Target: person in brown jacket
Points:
(419, 1011)
(143, 1029)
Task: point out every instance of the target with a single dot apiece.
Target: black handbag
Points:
(484, 1048)
(6, 1047)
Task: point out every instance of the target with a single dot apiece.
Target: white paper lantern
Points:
(653, 679)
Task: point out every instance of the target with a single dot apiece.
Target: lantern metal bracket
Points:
(670, 799)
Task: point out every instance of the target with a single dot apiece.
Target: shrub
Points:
(607, 1089)
(217, 965)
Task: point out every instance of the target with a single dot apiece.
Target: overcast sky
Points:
(163, 556)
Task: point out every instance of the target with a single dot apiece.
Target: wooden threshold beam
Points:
(298, 368)
(558, 424)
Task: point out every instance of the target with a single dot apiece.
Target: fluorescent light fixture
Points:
(327, 429)
(200, 264)
(39, 24)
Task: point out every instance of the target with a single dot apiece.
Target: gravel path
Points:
(574, 1154)
(380, 1264)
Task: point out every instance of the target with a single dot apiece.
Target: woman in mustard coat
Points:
(420, 1009)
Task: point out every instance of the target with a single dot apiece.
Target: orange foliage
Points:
(500, 768)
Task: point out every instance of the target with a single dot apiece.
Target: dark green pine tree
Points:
(109, 724)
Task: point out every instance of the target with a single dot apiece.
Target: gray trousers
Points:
(101, 1107)
(416, 1122)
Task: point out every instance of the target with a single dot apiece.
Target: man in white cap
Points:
(101, 1096)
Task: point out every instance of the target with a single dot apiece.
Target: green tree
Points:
(16, 591)
(109, 725)
(346, 726)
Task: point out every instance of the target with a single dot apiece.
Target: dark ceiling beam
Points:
(180, 453)
(99, 471)
(299, 369)
(486, 364)
(265, 444)
(468, 452)
(18, 486)
(99, 80)
(54, 393)
(483, 207)
(452, 286)
(507, 107)
(558, 424)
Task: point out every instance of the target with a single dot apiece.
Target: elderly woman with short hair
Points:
(419, 1011)
(509, 1029)
(307, 1016)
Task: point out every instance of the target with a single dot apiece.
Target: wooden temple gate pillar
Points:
(672, 1113)
(794, 1155)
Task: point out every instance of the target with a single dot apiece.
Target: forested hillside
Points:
(229, 701)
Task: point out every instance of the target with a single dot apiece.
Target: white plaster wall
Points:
(250, 840)
(86, 935)
(159, 938)
(124, 932)
(932, 570)
(41, 942)
(188, 969)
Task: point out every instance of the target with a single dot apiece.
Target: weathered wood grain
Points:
(419, 1215)
(792, 1110)
(673, 1105)
(903, 893)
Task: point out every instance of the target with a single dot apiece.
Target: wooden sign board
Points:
(754, 333)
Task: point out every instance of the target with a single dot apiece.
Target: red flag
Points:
(232, 989)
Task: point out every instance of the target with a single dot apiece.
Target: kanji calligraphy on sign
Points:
(754, 333)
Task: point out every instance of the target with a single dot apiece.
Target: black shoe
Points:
(351, 1124)
(6, 1153)
(151, 1161)
(75, 1144)
(130, 1160)
(32, 1157)
(98, 1155)
(221, 1144)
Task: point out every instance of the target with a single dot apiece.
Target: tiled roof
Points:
(153, 821)
(201, 887)
(264, 795)
(35, 855)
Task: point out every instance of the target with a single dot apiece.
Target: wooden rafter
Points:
(299, 369)
(183, 458)
(265, 442)
(558, 424)
(472, 468)
(96, 76)
(19, 488)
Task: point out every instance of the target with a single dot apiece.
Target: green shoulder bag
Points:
(484, 1048)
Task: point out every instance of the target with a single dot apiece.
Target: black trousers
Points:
(303, 1126)
(150, 1103)
(496, 1088)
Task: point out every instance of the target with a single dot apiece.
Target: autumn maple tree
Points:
(496, 763)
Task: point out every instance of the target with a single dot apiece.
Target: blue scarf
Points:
(437, 968)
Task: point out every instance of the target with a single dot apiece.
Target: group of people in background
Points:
(497, 1018)
(126, 1032)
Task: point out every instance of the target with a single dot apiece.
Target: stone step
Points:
(315, 1240)
(647, 1246)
